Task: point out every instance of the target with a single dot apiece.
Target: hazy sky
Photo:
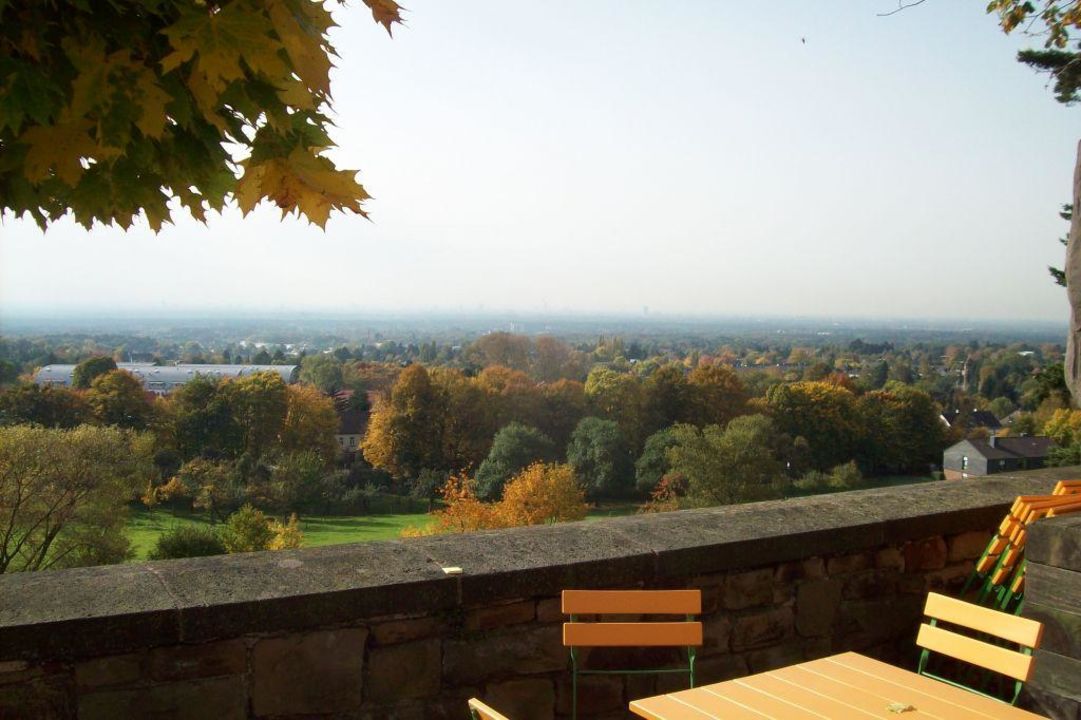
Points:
(692, 157)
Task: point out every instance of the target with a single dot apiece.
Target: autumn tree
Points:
(500, 348)
(89, 369)
(822, 413)
(199, 419)
(310, 424)
(64, 495)
(405, 432)
(543, 493)
(247, 530)
(716, 395)
(654, 463)
(563, 405)
(600, 458)
(213, 485)
(112, 110)
(259, 403)
(901, 430)
(667, 398)
(50, 406)
(556, 360)
(118, 398)
(468, 422)
(514, 447)
(619, 397)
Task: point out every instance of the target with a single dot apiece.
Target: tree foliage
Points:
(64, 495)
(543, 493)
(89, 369)
(118, 398)
(600, 458)
(514, 448)
(51, 406)
(184, 541)
(112, 109)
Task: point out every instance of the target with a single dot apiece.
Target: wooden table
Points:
(843, 686)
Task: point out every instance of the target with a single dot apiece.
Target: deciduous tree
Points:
(600, 458)
(50, 405)
(514, 448)
(118, 398)
(89, 369)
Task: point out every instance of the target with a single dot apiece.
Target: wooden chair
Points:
(1016, 664)
(480, 711)
(687, 633)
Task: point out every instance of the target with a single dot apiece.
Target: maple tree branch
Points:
(901, 5)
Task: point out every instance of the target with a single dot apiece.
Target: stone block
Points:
(842, 564)
(927, 554)
(748, 589)
(550, 610)
(189, 662)
(762, 628)
(967, 546)
(519, 651)
(107, 671)
(218, 698)
(597, 694)
(871, 584)
(775, 657)
(43, 697)
(816, 606)
(312, 673)
(406, 670)
(949, 579)
(493, 616)
(527, 698)
(716, 632)
(890, 558)
(404, 630)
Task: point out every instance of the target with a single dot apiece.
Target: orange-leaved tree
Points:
(115, 109)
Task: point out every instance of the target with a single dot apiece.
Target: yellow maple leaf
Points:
(219, 40)
(303, 181)
(60, 149)
(152, 100)
(303, 42)
(386, 13)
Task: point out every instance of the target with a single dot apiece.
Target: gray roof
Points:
(1034, 446)
(177, 373)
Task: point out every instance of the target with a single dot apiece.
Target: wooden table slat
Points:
(841, 687)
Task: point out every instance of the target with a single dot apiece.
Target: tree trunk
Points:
(1073, 289)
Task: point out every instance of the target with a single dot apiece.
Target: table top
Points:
(843, 686)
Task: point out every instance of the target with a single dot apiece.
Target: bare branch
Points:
(901, 5)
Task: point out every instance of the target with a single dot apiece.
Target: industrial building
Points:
(163, 379)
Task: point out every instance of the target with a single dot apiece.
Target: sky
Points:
(613, 156)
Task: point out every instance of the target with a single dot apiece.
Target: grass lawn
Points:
(144, 527)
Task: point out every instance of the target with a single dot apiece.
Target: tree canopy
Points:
(115, 110)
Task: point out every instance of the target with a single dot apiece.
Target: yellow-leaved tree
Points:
(114, 109)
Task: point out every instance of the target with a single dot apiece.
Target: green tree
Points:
(619, 396)
(118, 398)
(50, 406)
(653, 464)
(116, 109)
(514, 448)
(735, 464)
(259, 404)
(214, 486)
(600, 458)
(901, 430)
(89, 369)
(822, 413)
(667, 397)
(199, 419)
(322, 371)
(64, 495)
(296, 481)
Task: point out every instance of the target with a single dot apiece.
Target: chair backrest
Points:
(686, 633)
(1012, 663)
(1067, 487)
(480, 711)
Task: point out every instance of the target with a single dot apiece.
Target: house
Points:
(971, 419)
(353, 417)
(975, 457)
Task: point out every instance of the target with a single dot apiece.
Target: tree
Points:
(598, 453)
(822, 413)
(618, 396)
(247, 530)
(901, 430)
(214, 486)
(514, 447)
(667, 397)
(404, 433)
(543, 493)
(311, 423)
(89, 369)
(50, 406)
(729, 465)
(322, 371)
(500, 348)
(64, 495)
(259, 404)
(118, 398)
(717, 395)
(295, 480)
(199, 418)
(653, 464)
(120, 108)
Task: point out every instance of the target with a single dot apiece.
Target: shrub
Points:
(845, 476)
(186, 541)
(247, 530)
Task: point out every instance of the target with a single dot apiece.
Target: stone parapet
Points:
(378, 630)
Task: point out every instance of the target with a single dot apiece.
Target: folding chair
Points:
(577, 634)
(1015, 664)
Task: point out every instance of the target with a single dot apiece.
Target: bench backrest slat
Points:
(483, 712)
(1022, 631)
(998, 659)
(632, 602)
(647, 634)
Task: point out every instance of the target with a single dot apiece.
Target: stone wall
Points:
(379, 630)
(1053, 596)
